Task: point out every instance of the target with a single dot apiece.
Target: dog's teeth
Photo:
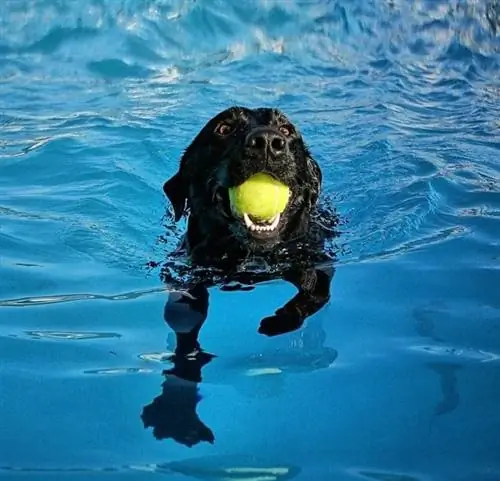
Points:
(248, 221)
(261, 228)
(275, 222)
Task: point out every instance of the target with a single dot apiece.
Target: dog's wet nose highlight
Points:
(263, 140)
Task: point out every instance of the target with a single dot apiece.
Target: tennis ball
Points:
(261, 196)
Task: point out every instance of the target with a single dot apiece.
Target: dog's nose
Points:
(261, 140)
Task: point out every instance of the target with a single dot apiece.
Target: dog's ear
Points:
(177, 187)
(315, 179)
(176, 190)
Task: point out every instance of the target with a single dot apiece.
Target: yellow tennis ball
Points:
(261, 196)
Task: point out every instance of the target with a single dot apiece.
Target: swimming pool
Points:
(395, 379)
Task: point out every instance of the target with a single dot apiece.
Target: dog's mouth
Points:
(258, 229)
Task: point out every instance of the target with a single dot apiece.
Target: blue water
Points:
(397, 378)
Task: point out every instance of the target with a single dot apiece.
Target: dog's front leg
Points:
(314, 292)
(185, 312)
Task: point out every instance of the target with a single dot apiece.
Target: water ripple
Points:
(71, 335)
(118, 371)
(463, 353)
(58, 299)
(157, 357)
(407, 247)
(242, 467)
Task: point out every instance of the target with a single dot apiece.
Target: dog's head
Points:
(234, 145)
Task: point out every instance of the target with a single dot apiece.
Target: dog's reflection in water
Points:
(173, 415)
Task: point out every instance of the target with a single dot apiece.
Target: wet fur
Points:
(211, 162)
(215, 239)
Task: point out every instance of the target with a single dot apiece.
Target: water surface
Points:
(395, 379)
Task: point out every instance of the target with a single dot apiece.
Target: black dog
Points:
(234, 145)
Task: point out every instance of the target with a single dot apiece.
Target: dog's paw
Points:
(280, 324)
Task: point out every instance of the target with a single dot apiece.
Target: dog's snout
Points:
(265, 140)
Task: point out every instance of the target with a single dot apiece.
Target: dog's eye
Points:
(224, 129)
(286, 130)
